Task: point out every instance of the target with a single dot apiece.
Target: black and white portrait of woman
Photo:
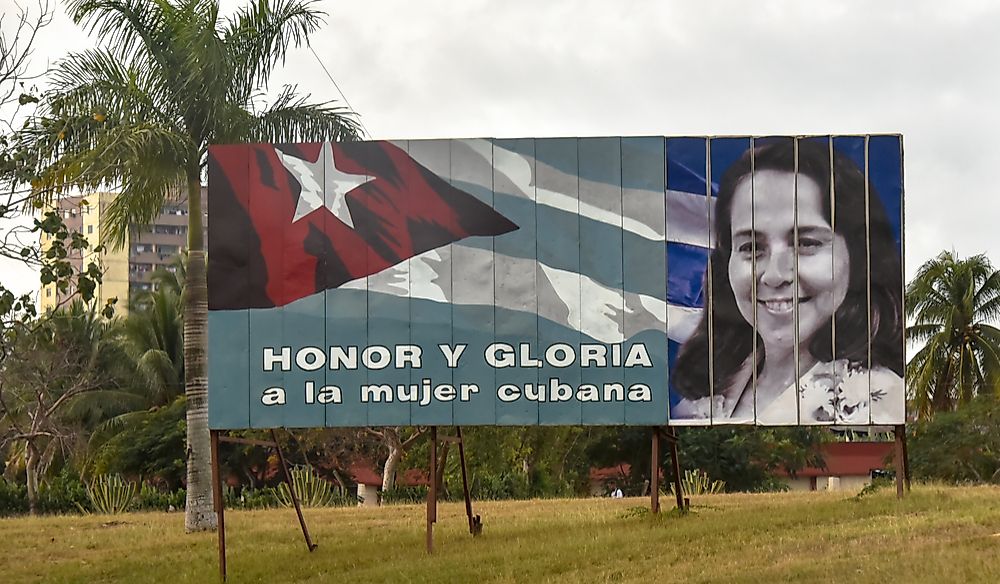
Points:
(805, 290)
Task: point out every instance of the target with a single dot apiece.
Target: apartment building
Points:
(126, 271)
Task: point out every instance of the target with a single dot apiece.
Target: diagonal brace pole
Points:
(291, 489)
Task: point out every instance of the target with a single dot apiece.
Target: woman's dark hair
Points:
(732, 336)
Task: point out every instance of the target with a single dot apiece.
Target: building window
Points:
(90, 229)
(48, 292)
(169, 229)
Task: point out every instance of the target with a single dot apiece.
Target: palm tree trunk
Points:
(199, 509)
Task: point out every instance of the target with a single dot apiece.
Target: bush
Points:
(13, 499)
(64, 493)
(958, 447)
(150, 498)
(488, 486)
(403, 495)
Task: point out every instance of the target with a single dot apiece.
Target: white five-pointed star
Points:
(333, 190)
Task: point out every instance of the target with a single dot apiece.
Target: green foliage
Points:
(110, 494)
(147, 443)
(64, 493)
(952, 303)
(498, 486)
(516, 462)
(745, 459)
(960, 446)
(697, 482)
(13, 498)
(150, 498)
(153, 337)
(404, 495)
(248, 498)
(311, 490)
(877, 484)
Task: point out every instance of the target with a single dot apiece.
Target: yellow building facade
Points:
(126, 270)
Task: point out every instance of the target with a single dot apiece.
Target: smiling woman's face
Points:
(823, 272)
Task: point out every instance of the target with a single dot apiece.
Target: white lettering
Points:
(526, 359)
(408, 354)
(376, 357)
(310, 358)
(640, 392)
(329, 394)
(284, 358)
(339, 357)
(596, 354)
(637, 355)
(588, 393)
(444, 392)
(534, 393)
(273, 396)
(500, 355)
(452, 354)
(376, 393)
(614, 392)
(552, 355)
(467, 390)
(508, 392)
(560, 392)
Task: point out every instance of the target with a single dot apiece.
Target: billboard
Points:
(562, 281)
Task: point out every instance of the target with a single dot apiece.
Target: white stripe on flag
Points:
(687, 213)
(569, 286)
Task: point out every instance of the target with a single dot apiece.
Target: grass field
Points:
(937, 534)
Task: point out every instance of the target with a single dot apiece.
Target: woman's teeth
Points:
(782, 306)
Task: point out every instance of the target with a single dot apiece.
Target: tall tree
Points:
(137, 115)
(952, 303)
(71, 355)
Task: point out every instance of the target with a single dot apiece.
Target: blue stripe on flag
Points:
(686, 266)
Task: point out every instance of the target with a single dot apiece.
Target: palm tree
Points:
(138, 114)
(952, 303)
(154, 339)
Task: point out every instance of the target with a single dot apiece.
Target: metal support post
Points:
(475, 524)
(219, 502)
(654, 473)
(902, 470)
(291, 489)
(432, 492)
(672, 438)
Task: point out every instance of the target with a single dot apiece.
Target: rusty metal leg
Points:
(677, 468)
(465, 482)
(219, 501)
(432, 492)
(899, 432)
(291, 489)
(654, 473)
(906, 461)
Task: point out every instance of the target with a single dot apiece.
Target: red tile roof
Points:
(364, 474)
(849, 459)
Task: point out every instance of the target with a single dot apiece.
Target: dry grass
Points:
(937, 534)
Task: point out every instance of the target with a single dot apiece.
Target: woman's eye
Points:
(810, 242)
(745, 248)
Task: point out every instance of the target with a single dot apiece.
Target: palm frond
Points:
(259, 35)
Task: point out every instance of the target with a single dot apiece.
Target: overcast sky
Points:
(435, 69)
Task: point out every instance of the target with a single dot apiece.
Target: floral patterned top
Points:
(836, 392)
